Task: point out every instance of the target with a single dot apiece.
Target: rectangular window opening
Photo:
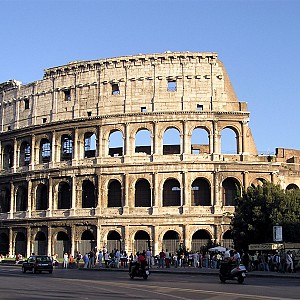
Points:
(89, 113)
(67, 95)
(26, 102)
(44, 120)
(143, 109)
(199, 107)
(172, 86)
(115, 89)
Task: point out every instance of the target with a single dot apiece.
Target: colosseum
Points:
(126, 153)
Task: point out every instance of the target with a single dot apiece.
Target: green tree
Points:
(261, 207)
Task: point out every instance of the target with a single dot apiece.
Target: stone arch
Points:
(20, 243)
(45, 150)
(143, 141)
(40, 244)
(64, 195)
(200, 140)
(4, 199)
(8, 156)
(42, 197)
(87, 242)
(200, 239)
(201, 192)
(227, 239)
(171, 192)
(292, 186)
(4, 243)
(114, 241)
(171, 241)
(25, 154)
(230, 190)
(88, 194)
(258, 181)
(229, 140)
(90, 144)
(142, 193)
(116, 143)
(62, 243)
(114, 193)
(171, 141)
(21, 198)
(142, 241)
(66, 151)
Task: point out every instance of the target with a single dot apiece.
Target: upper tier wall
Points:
(148, 83)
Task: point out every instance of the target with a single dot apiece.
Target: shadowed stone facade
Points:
(126, 152)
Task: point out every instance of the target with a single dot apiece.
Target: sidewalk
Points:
(201, 271)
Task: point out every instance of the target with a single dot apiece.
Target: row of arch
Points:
(171, 194)
(172, 144)
(171, 240)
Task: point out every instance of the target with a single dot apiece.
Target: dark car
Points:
(37, 264)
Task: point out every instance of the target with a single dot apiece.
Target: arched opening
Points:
(115, 144)
(45, 151)
(228, 240)
(113, 241)
(89, 144)
(42, 197)
(88, 194)
(171, 193)
(114, 197)
(200, 141)
(258, 182)
(4, 200)
(4, 244)
(229, 141)
(62, 244)
(141, 241)
(142, 193)
(40, 244)
(66, 147)
(64, 196)
(21, 199)
(171, 241)
(291, 187)
(20, 244)
(143, 141)
(230, 188)
(200, 239)
(201, 192)
(171, 141)
(8, 157)
(25, 154)
(87, 242)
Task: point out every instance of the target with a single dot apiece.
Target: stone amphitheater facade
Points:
(86, 157)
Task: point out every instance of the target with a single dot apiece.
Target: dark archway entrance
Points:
(20, 244)
(113, 241)
(87, 242)
(62, 244)
(40, 244)
(200, 239)
(141, 241)
(4, 243)
(171, 241)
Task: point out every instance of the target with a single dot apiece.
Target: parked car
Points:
(37, 264)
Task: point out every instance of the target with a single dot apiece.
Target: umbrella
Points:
(218, 248)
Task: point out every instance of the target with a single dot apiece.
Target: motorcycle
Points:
(139, 270)
(229, 271)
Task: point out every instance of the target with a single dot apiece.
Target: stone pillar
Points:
(28, 244)
(211, 143)
(29, 198)
(73, 240)
(186, 145)
(73, 206)
(53, 149)
(125, 192)
(33, 150)
(155, 193)
(243, 143)
(76, 151)
(186, 237)
(126, 144)
(156, 139)
(12, 200)
(11, 241)
(49, 244)
(156, 245)
(186, 201)
(246, 179)
(126, 239)
(99, 246)
(16, 156)
(50, 197)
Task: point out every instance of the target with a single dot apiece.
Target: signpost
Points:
(277, 233)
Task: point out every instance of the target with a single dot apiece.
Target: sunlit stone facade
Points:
(126, 153)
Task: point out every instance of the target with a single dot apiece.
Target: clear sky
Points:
(258, 41)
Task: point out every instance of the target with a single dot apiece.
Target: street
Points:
(91, 284)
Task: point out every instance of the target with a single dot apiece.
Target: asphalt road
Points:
(78, 284)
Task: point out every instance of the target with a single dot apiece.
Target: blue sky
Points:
(258, 41)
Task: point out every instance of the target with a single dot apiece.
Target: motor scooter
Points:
(232, 271)
(139, 270)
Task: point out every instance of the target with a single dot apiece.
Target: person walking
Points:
(100, 258)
